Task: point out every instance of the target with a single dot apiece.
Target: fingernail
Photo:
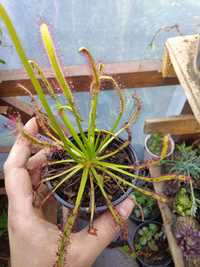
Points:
(125, 208)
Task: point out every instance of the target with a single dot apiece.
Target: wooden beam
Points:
(175, 125)
(167, 67)
(168, 221)
(16, 105)
(133, 74)
(4, 110)
(5, 149)
(182, 52)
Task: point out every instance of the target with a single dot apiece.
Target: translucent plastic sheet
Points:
(113, 31)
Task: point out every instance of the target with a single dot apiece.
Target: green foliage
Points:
(3, 223)
(155, 143)
(149, 236)
(126, 249)
(2, 44)
(146, 203)
(183, 203)
(186, 162)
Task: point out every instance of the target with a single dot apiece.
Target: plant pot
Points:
(154, 216)
(148, 262)
(119, 241)
(151, 155)
(155, 211)
(129, 151)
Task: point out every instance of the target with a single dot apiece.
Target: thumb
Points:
(107, 230)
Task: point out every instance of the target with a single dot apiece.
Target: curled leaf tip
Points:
(82, 49)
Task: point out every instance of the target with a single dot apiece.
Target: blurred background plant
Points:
(2, 44)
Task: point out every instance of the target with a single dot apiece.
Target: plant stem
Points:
(21, 53)
(139, 189)
(49, 46)
(114, 213)
(70, 222)
(147, 179)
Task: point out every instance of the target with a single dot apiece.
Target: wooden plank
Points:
(175, 125)
(167, 222)
(182, 52)
(133, 74)
(17, 105)
(186, 108)
(4, 110)
(5, 149)
(167, 67)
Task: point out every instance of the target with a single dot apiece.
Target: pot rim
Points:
(154, 155)
(103, 208)
(140, 221)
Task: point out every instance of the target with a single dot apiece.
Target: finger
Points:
(106, 230)
(17, 179)
(49, 208)
(35, 164)
(38, 160)
(21, 149)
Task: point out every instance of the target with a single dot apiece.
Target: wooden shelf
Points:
(174, 125)
(179, 58)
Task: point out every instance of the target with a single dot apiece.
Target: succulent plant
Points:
(149, 235)
(189, 241)
(155, 143)
(183, 202)
(185, 161)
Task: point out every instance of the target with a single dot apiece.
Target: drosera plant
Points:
(86, 158)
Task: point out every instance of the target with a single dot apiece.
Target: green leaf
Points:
(2, 61)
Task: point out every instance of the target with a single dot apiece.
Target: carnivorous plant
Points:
(86, 152)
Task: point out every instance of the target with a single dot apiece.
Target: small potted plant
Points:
(146, 208)
(151, 245)
(88, 170)
(153, 145)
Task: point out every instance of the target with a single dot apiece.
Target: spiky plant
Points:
(86, 154)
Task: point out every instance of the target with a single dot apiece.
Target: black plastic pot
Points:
(133, 242)
(85, 210)
(155, 216)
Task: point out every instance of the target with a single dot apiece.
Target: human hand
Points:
(33, 239)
